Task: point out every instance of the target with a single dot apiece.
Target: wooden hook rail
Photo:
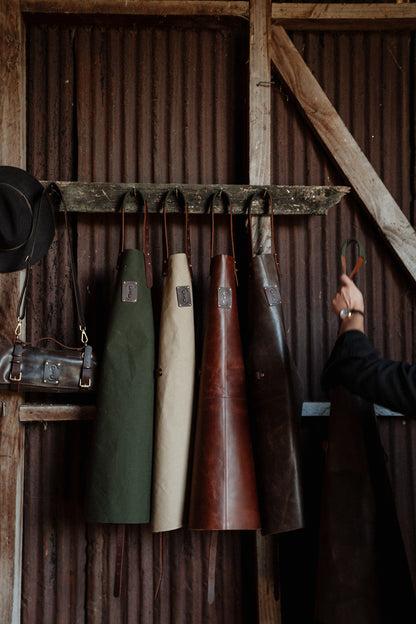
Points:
(106, 197)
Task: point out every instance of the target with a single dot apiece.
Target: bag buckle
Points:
(11, 378)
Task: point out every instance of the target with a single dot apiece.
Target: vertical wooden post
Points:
(12, 152)
(268, 609)
(260, 108)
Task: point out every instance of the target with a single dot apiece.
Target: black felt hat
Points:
(27, 219)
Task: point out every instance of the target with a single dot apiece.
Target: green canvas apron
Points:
(119, 484)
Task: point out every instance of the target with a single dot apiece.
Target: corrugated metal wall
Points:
(166, 101)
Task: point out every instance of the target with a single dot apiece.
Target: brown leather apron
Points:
(175, 384)
(275, 395)
(363, 574)
(223, 489)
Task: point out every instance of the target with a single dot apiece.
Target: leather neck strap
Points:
(221, 194)
(265, 196)
(54, 192)
(360, 260)
(182, 201)
(138, 198)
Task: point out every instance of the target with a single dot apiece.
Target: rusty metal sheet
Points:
(165, 101)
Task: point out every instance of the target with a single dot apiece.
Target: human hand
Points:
(349, 296)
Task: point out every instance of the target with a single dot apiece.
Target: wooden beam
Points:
(12, 152)
(260, 93)
(310, 16)
(51, 412)
(138, 7)
(107, 197)
(296, 16)
(268, 608)
(387, 216)
(33, 412)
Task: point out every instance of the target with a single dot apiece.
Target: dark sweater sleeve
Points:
(355, 364)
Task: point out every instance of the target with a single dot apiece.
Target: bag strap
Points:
(53, 191)
(265, 196)
(221, 194)
(139, 198)
(183, 203)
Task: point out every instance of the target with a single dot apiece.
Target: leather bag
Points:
(119, 478)
(175, 383)
(275, 393)
(30, 366)
(223, 489)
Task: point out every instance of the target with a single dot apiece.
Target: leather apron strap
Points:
(139, 199)
(265, 196)
(360, 260)
(221, 194)
(183, 203)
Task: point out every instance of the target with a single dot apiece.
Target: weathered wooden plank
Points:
(386, 214)
(138, 7)
(51, 412)
(268, 608)
(34, 412)
(348, 16)
(296, 16)
(107, 197)
(259, 92)
(12, 152)
(260, 109)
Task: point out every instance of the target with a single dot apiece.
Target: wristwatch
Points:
(347, 313)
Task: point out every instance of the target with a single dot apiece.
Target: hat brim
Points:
(43, 210)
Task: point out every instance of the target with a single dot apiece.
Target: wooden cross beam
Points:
(319, 111)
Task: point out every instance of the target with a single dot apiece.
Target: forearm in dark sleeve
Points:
(356, 365)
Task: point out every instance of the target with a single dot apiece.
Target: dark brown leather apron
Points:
(363, 574)
(223, 488)
(275, 394)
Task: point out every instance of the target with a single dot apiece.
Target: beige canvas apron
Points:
(175, 386)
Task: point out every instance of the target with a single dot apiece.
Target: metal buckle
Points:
(11, 378)
(88, 385)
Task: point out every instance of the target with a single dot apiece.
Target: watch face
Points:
(344, 314)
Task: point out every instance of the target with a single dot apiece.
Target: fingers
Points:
(346, 280)
(348, 296)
